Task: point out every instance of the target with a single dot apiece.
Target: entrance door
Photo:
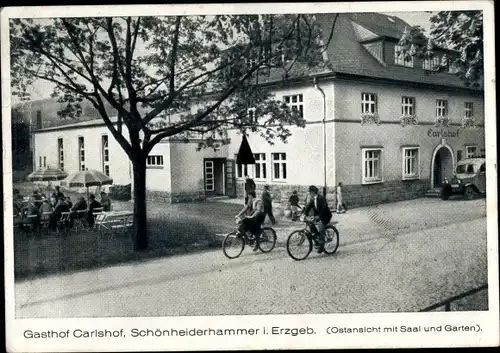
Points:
(442, 167)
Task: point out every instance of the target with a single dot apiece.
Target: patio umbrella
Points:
(87, 178)
(245, 154)
(47, 174)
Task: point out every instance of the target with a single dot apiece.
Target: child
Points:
(340, 206)
(294, 205)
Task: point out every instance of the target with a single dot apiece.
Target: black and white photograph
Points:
(252, 176)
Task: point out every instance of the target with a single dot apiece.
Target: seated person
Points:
(31, 210)
(254, 216)
(57, 194)
(61, 207)
(37, 198)
(46, 207)
(68, 201)
(81, 204)
(92, 206)
(105, 202)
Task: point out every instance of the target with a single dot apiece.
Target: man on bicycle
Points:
(254, 216)
(322, 215)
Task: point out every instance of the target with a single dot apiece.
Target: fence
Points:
(447, 303)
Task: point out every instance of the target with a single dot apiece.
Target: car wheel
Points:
(469, 193)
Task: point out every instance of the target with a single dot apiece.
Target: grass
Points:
(172, 229)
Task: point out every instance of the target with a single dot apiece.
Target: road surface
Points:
(391, 269)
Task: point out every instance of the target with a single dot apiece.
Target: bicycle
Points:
(265, 241)
(300, 242)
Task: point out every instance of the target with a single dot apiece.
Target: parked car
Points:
(469, 179)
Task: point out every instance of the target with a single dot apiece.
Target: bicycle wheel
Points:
(267, 240)
(331, 240)
(232, 245)
(298, 245)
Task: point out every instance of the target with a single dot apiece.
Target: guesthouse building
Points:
(387, 128)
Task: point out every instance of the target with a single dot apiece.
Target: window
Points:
(252, 116)
(40, 162)
(411, 168)
(407, 106)
(431, 64)
(295, 102)
(260, 166)
(154, 161)
(401, 58)
(470, 151)
(44, 161)
(279, 166)
(105, 154)
(81, 149)
(60, 153)
(372, 165)
(441, 108)
(368, 103)
(468, 109)
(482, 168)
(241, 170)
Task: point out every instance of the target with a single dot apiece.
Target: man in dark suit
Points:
(268, 204)
(322, 214)
(61, 207)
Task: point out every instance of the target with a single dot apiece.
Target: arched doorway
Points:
(442, 165)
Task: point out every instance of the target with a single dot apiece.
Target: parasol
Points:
(87, 178)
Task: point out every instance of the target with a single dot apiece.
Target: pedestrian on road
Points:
(268, 204)
(249, 187)
(340, 204)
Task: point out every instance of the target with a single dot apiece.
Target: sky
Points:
(42, 89)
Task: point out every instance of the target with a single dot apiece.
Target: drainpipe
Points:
(317, 87)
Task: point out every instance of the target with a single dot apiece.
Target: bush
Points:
(121, 192)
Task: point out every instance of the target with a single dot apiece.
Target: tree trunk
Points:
(140, 235)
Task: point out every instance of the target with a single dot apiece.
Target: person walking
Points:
(268, 204)
(249, 187)
(340, 205)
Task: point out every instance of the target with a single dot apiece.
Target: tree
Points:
(461, 33)
(203, 69)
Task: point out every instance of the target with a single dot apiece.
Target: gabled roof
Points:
(380, 24)
(346, 54)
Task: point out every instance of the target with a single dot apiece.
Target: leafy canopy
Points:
(460, 33)
(180, 76)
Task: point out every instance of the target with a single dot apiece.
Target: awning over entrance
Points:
(245, 154)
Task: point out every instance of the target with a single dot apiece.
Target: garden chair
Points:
(80, 223)
(44, 222)
(63, 224)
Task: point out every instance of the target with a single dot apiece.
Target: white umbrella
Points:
(47, 174)
(87, 178)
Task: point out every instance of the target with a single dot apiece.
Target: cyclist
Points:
(322, 215)
(253, 216)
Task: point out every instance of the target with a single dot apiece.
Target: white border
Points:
(489, 321)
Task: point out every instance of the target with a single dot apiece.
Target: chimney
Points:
(38, 119)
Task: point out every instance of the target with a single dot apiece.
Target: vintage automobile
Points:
(469, 179)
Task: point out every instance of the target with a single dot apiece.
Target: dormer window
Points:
(402, 58)
(431, 64)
